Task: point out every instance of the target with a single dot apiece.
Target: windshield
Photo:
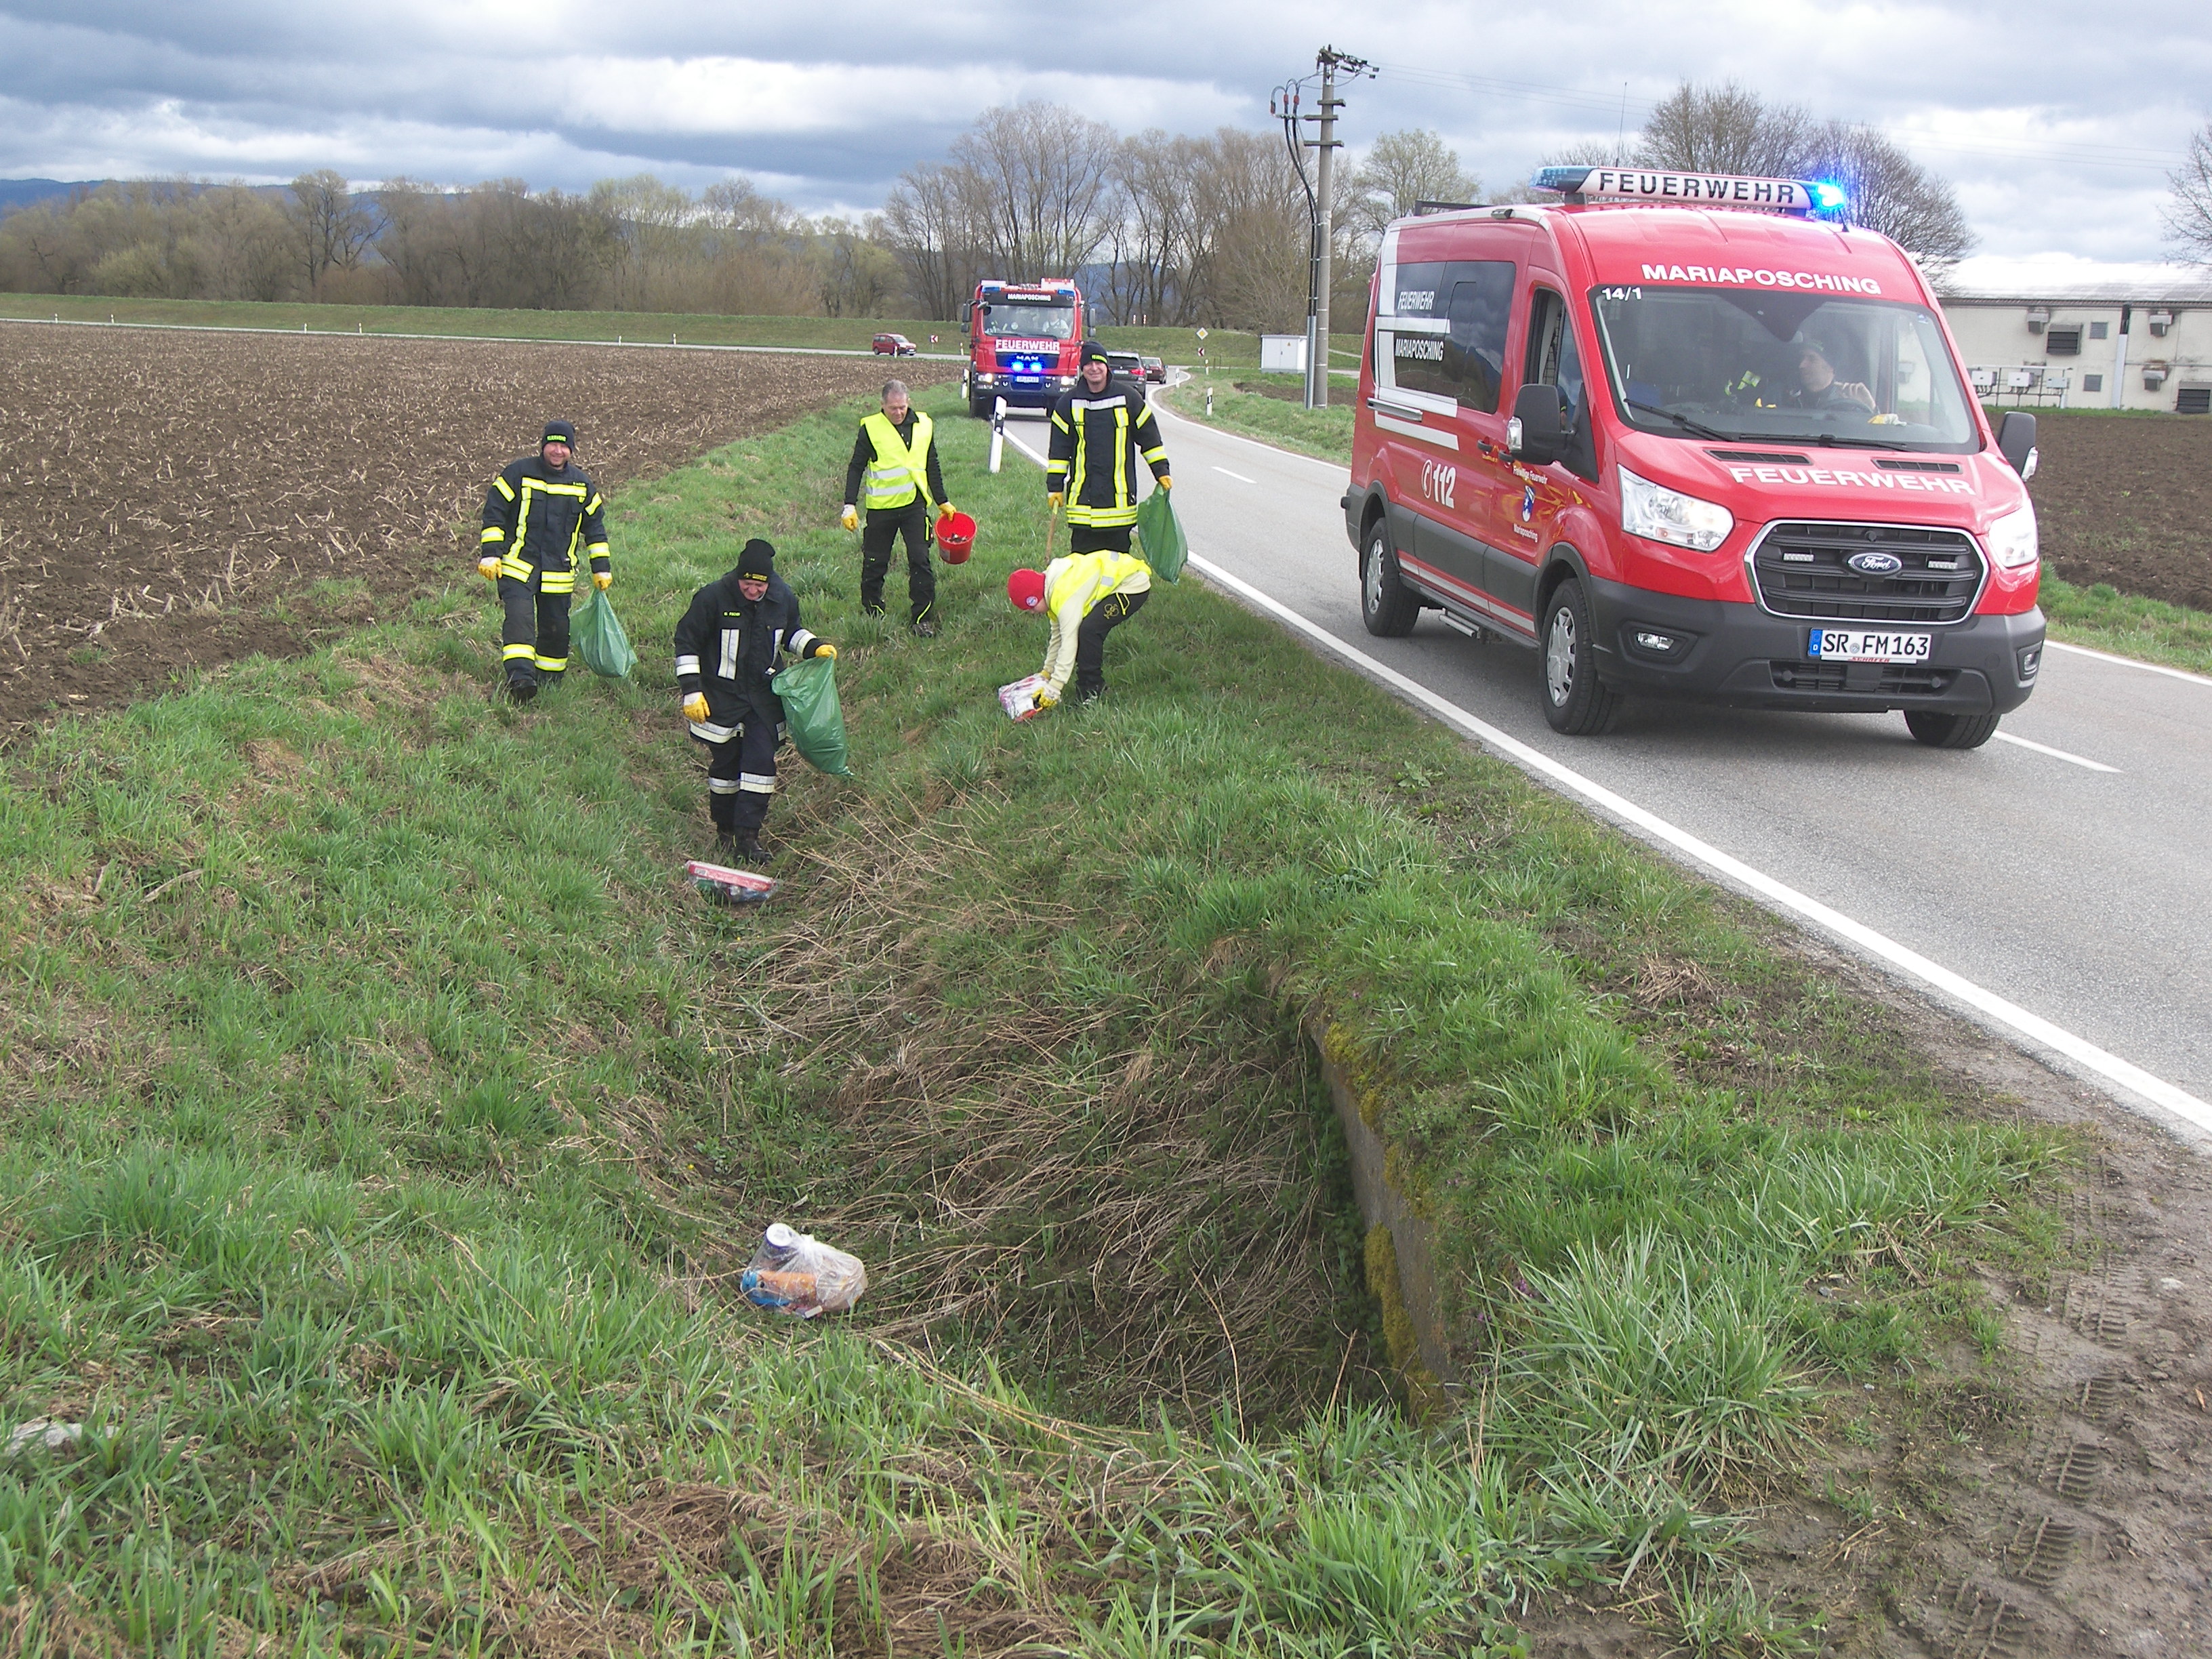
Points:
(1027, 322)
(1739, 364)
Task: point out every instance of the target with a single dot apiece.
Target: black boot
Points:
(726, 845)
(521, 689)
(749, 847)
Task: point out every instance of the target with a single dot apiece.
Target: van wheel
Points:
(1951, 730)
(1576, 701)
(1387, 605)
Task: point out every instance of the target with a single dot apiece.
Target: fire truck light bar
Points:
(1691, 189)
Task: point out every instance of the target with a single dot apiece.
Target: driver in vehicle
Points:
(1817, 384)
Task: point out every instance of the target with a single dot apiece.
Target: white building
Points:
(2061, 333)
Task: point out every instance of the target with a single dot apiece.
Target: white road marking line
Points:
(1239, 477)
(2129, 662)
(2054, 754)
(2036, 1029)
(2118, 1071)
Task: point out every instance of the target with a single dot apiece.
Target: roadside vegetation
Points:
(1272, 408)
(386, 1117)
(2103, 618)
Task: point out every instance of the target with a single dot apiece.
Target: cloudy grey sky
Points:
(2057, 122)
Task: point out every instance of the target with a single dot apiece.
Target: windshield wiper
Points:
(1829, 440)
(1685, 423)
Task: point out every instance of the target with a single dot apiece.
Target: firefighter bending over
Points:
(538, 511)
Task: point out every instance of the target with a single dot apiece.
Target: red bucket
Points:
(956, 537)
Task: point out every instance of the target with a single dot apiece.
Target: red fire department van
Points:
(1023, 342)
(1697, 437)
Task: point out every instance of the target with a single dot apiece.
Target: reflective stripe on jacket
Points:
(899, 470)
(535, 519)
(1092, 442)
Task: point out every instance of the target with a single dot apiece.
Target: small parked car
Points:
(1155, 370)
(894, 345)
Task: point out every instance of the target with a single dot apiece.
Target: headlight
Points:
(1669, 515)
(2012, 538)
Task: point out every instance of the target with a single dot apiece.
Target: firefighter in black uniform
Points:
(1098, 429)
(538, 511)
(895, 462)
(727, 647)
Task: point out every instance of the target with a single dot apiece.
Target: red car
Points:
(893, 345)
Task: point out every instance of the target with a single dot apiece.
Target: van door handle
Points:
(1483, 444)
(1397, 411)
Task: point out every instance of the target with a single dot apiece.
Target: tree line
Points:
(1164, 229)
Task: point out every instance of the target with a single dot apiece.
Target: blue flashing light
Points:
(1559, 178)
(1827, 196)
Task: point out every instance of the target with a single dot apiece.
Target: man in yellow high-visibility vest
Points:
(895, 475)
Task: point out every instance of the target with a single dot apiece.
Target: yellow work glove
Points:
(488, 567)
(603, 580)
(945, 509)
(849, 518)
(1046, 698)
(1052, 500)
(824, 649)
(694, 708)
(1167, 482)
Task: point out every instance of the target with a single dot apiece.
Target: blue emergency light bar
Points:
(1659, 186)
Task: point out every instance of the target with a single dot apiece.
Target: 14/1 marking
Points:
(1438, 480)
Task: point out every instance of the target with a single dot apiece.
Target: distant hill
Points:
(21, 193)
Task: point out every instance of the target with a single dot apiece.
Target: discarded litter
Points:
(718, 881)
(1019, 699)
(47, 1434)
(794, 1272)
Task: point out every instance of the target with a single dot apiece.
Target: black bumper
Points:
(1740, 656)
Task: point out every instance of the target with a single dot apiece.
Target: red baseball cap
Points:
(1026, 589)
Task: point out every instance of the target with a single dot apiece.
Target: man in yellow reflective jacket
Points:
(893, 474)
(1087, 595)
(539, 513)
(1098, 431)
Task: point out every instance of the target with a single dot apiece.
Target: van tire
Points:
(1387, 605)
(1576, 701)
(1950, 731)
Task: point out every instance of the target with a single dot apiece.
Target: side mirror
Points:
(1536, 433)
(2016, 441)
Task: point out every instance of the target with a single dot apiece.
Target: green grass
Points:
(1228, 348)
(1325, 433)
(384, 1117)
(2103, 618)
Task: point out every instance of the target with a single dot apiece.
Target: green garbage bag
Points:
(596, 634)
(811, 713)
(1165, 546)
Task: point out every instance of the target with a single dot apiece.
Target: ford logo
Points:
(1875, 564)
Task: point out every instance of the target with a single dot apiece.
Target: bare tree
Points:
(1046, 178)
(1723, 129)
(2188, 216)
(930, 227)
(1401, 168)
(1730, 129)
(330, 228)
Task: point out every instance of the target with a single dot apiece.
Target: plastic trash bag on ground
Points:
(812, 715)
(795, 1273)
(1019, 699)
(599, 638)
(1161, 532)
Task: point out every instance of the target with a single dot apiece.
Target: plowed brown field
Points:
(2123, 500)
(161, 491)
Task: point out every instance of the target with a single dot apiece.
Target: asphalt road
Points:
(2080, 892)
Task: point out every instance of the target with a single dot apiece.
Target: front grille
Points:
(1802, 570)
(1900, 679)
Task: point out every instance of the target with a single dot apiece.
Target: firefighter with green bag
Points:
(729, 648)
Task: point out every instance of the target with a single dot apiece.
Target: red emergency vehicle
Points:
(1697, 437)
(1022, 342)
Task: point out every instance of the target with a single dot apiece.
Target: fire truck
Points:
(1694, 436)
(1023, 338)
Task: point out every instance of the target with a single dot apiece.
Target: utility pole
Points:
(1330, 60)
